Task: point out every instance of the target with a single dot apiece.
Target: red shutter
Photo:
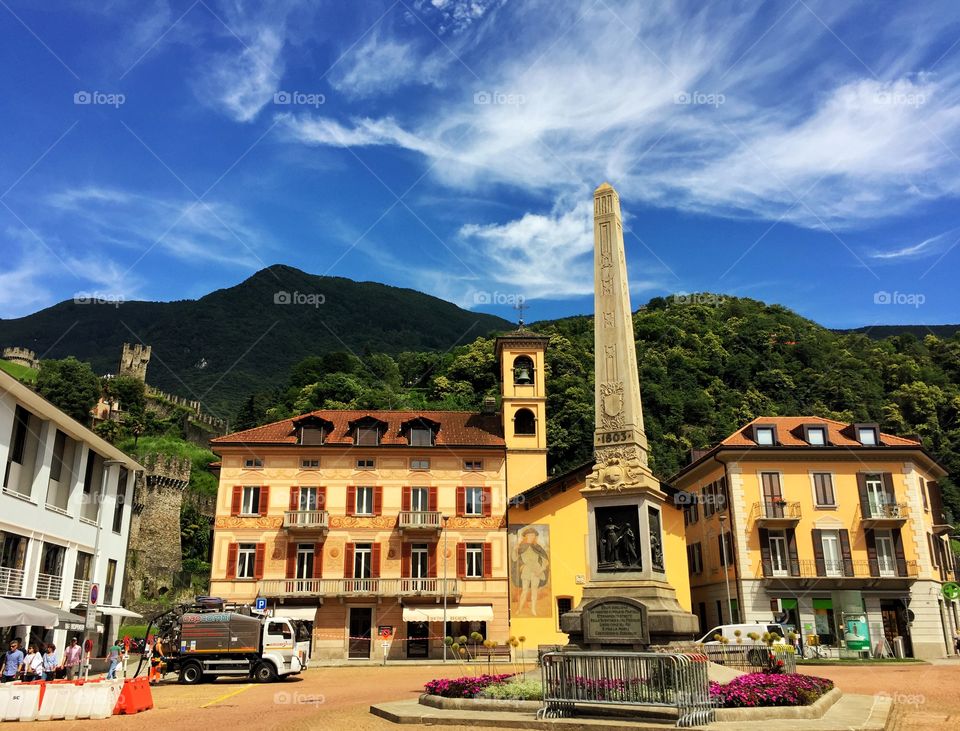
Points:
(405, 551)
(377, 500)
(487, 560)
(235, 501)
(432, 499)
(259, 560)
(294, 498)
(351, 500)
(232, 561)
(264, 500)
(321, 498)
(487, 502)
(348, 561)
(318, 560)
(461, 560)
(405, 498)
(375, 561)
(461, 501)
(291, 560)
(432, 561)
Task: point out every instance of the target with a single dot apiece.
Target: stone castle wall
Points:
(134, 361)
(21, 356)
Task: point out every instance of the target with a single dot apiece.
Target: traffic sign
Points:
(94, 593)
(951, 590)
(260, 604)
(385, 631)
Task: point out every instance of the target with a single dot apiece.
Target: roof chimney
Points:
(489, 405)
(696, 454)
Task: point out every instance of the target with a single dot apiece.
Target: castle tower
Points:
(134, 361)
(520, 358)
(21, 356)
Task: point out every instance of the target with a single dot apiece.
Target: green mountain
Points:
(879, 332)
(235, 341)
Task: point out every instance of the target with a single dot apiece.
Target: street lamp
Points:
(726, 565)
(444, 518)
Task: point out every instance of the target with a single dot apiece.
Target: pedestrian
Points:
(113, 658)
(71, 659)
(50, 662)
(32, 664)
(156, 662)
(12, 663)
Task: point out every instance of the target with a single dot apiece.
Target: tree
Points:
(70, 385)
(129, 391)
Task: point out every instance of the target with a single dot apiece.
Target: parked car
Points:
(729, 631)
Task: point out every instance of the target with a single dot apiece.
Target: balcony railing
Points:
(360, 587)
(419, 520)
(870, 569)
(882, 512)
(306, 520)
(49, 586)
(11, 581)
(776, 511)
(81, 591)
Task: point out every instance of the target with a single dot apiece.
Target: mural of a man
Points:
(531, 569)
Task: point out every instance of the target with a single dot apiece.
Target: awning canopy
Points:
(479, 613)
(65, 620)
(14, 613)
(307, 613)
(119, 612)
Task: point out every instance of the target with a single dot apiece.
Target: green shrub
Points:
(516, 689)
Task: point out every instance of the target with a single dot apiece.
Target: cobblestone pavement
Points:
(924, 696)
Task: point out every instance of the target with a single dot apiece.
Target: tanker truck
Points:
(202, 641)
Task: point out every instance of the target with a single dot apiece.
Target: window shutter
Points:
(845, 552)
(765, 552)
(487, 502)
(294, 498)
(872, 552)
(348, 561)
(923, 493)
(461, 501)
(377, 500)
(818, 558)
(317, 560)
(888, 487)
(934, 554)
(432, 561)
(405, 498)
(862, 490)
(321, 498)
(352, 500)
(898, 552)
(405, 551)
(487, 560)
(291, 572)
(232, 561)
(432, 499)
(375, 561)
(259, 560)
(936, 503)
(461, 560)
(792, 550)
(723, 559)
(235, 501)
(264, 500)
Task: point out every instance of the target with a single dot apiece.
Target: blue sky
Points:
(804, 153)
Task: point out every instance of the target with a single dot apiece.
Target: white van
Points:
(729, 631)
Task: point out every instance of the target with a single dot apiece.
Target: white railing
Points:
(48, 586)
(359, 587)
(11, 581)
(312, 519)
(81, 591)
(419, 519)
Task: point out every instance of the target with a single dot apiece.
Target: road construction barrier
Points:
(135, 696)
(19, 701)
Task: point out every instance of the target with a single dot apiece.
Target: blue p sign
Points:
(260, 604)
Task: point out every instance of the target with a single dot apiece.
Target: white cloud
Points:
(928, 247)
(384, 64)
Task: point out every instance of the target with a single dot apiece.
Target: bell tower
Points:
(523, 389)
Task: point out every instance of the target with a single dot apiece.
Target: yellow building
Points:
(835, 529)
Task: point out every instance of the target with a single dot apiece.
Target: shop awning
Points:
(14, 613)
(119, 612)
(479, 613)
(307, 613)
(65, 620)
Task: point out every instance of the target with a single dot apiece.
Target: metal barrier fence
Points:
(752, 658)
(627, 679)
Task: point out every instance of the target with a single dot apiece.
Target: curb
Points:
(814, 710)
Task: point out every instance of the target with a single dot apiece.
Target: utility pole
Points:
(445, 518)
(726, 566)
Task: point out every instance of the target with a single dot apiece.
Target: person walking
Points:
(32, 664)
(50, 662)
(113, 658)
(71, 659)
(156, 662)
(12, 663)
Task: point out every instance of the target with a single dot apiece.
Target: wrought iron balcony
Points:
(307, 520)
(408, 587)
(776, 513)
(419, 520)
(884, 514)
(49, 586)
(842, 572)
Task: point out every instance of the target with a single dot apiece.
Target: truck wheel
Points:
(264, 673)
(191, 673)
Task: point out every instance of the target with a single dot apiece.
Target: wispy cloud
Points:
(926, 248)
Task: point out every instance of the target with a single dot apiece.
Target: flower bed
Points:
(466, 687)
(764, 689)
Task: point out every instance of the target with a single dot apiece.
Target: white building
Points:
(64, 516)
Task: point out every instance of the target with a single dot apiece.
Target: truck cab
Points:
(284, 647)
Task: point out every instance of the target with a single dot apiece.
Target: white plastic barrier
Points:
(57, 699)
(103, 697)
(19, 702)
(69, 701)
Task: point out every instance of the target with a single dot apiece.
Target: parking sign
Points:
(260, 604)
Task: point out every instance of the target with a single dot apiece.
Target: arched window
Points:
(524, 422)
(523, 371)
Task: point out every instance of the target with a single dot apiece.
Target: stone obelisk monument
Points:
(627, 599)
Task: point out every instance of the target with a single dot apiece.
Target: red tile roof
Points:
(457, 428)
(790, 433)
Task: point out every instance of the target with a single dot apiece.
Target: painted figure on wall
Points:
(529, 570)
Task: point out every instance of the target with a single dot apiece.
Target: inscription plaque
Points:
(618, 620)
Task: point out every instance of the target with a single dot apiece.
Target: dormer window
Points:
(523, 371)
(312, 430)
(420, 432)
(815, 436)
(867, 434)
(421, 436)
(367, 431)
(765, 435)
